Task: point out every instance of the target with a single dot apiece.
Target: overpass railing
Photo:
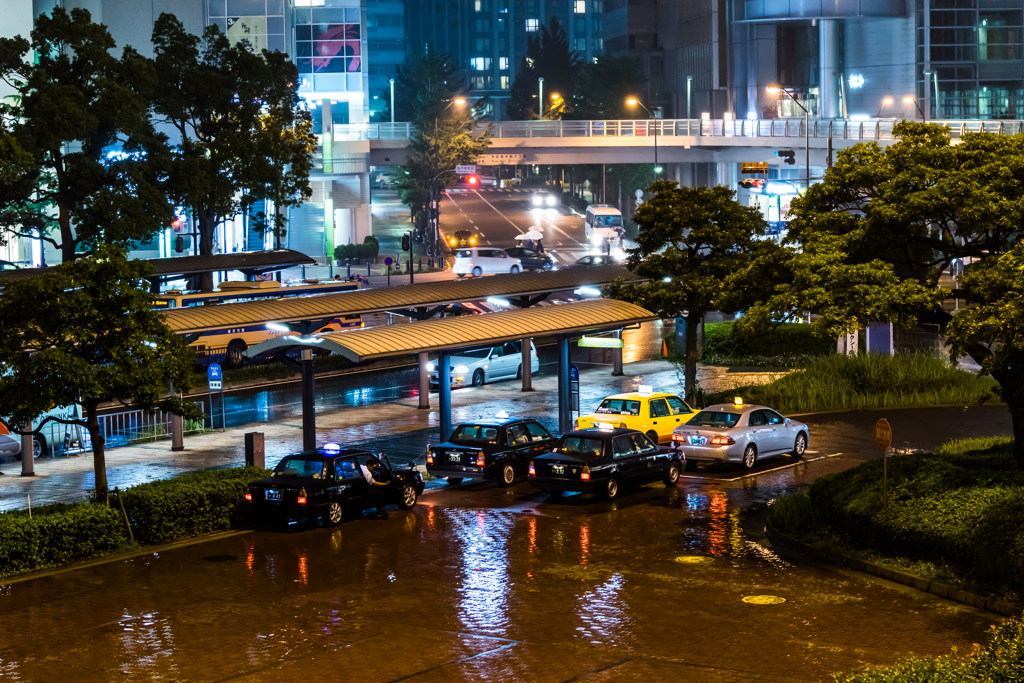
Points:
(642, 129)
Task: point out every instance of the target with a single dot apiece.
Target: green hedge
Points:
(791, 345)
(160, 511)
(998, 661)
(839, 382)
(369, 249)
(961, 507)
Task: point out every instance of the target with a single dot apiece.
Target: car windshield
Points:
(714, 418)
(464, 253)
(475, 435)
(607, 221)
(474, 353)
(580, 447)
(462, 233)
(300, 467)
(619, 406)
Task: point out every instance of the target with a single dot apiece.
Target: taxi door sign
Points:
(214, 376)
(574, 389)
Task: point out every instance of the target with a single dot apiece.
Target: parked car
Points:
(477, 262)
(604, 461)
(486, 364)
(597, 260)
(739, 433)
(330, 484)
(532, 259)
(655, 414)
(498, 449)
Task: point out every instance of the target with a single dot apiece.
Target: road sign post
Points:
(883, 437)
(215, 380)
(388, 261)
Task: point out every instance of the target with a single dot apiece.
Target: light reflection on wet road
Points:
(477, 583)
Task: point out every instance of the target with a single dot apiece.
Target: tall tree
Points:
(75, 101)
(425, 85)
(547, 55)
(690, 241)
(603, 86)
(242, 136)
(18, 171)
(87, 334)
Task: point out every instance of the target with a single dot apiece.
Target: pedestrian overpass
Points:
(633, 141)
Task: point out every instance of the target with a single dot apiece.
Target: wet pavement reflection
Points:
(479, 583)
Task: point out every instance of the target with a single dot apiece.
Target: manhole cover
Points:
(763, 599)
(220, 558)
(692, 559)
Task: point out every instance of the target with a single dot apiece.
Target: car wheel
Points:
(514, 270)
(749, 457)
(478, 271)
(478, 378)
(39, 448)
(611, 488)
(507, 476)
(407, 501)
(454, 481)
(672, 475)
(800, 446)
(335, 513)
(653, 436)
(234, 354)
(519, 372)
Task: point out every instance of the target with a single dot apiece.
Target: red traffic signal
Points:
(473, 180)
(176, 224)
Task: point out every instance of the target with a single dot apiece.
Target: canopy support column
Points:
(424, 381)
(444, 394)
(617, 357)
(308, 403)
(527, 356)
(564, 399)
(27, 455)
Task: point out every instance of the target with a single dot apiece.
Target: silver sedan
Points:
(739, 433)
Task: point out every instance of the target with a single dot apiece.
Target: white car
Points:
(484, 261)
(479, 366)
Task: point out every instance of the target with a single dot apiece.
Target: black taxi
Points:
(604, 461)
(332, 484)
(491, 449)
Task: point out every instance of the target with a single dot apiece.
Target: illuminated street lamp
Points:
(910, 98)
(633, 102)
(775, 90)
(435, 195)
(886, 101)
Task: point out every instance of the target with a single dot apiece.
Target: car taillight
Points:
(430, 459)
(248, 494)
(678, 437)
(479, 461)
(301, 500)
(533, 470)
(585, 474)
(723, 441)
(575, 424)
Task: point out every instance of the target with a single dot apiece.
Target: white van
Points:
(603, 224)
(57, 438)
(484, 261)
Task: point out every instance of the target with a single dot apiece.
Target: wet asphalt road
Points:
(484, 583)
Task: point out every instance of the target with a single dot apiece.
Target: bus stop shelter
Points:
(446, 336)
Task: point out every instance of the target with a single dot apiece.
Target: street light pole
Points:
(540, 97)
(435, 232)
(632, 101)
(392, 82)
(776, 89)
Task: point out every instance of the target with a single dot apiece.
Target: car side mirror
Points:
(787, 420)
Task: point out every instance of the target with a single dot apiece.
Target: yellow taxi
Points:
(655, 414)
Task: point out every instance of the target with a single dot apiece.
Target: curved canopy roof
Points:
(405, 297)
(443, 334)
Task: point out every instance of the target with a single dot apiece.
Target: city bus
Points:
(227, 345)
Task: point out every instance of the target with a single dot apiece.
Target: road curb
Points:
(994, 605)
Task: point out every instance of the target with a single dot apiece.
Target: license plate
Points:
(273, 495)
(558, 469)
(698, 440)
(454, 457)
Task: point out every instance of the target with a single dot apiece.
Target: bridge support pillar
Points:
(830, 57)
(527, 355)
(308, 403)
(424, 381)
(564, 398)
(444, 394)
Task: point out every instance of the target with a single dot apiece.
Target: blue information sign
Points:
(213, 372)
(574, 373)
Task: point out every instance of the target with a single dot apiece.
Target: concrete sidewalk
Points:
(397, 428)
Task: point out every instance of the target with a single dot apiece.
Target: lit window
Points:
(504, 82)
(480, 63)
(482, 5)
(503, 63)
(579, 6)
(532, 25)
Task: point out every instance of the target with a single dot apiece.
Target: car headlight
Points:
(430, 367)
(453, 241)
(537, 200)
(552, 201)
(461, 369)
(472, 240)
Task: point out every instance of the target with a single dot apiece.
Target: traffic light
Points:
(405, 241)
(434, 210)
(179, 244)
(176, 224)
(473, 181)
(788, 155)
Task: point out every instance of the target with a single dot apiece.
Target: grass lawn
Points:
(956, 515)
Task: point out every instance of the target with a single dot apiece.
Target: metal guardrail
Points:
(872, 129)
(135, 426)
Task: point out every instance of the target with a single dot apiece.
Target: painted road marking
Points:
(755, 474)
(521, 231)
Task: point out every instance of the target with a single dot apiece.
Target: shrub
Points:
(791, 344)
(999, 660)
(58, 535)
(373, 246)
(839, 382)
